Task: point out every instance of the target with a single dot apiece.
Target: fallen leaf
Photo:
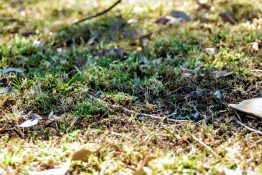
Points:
(252, 106)
(169, 20)
(7, 70)
(81, 154)
(223, 73)
(173, 20)
(28, 123)
(181, 15)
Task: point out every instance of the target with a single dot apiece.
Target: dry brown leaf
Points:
(251, 106)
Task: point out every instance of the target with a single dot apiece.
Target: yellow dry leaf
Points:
(81, 154)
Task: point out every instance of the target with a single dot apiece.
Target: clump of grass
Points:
(89, 108)
(120, 98)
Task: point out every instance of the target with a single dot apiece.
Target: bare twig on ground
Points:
(247, 127)
(116, 106)
(204, 145)
(98, 14)
(238, 121)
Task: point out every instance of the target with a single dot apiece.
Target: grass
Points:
(154, 69)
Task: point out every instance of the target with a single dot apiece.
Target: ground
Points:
(98, 80)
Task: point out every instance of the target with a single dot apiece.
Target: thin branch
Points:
(238, 121)
(116, 106)
(247, 127)
(204, 145)
(98, 14)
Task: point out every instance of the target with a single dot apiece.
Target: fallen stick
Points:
(98, 14)
(116, 106)
(204, 145)
(247, 127)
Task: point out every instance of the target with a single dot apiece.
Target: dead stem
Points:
(116, 106)
(204, 145)
(237, 120)
(98, 14)
(247, 127)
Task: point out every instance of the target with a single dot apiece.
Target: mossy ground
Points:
(154, 69)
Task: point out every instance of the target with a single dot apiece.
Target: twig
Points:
(204, 145)
(98, 14)
(247, 127)
(116, 106)
(256, 70)
(238, 121)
